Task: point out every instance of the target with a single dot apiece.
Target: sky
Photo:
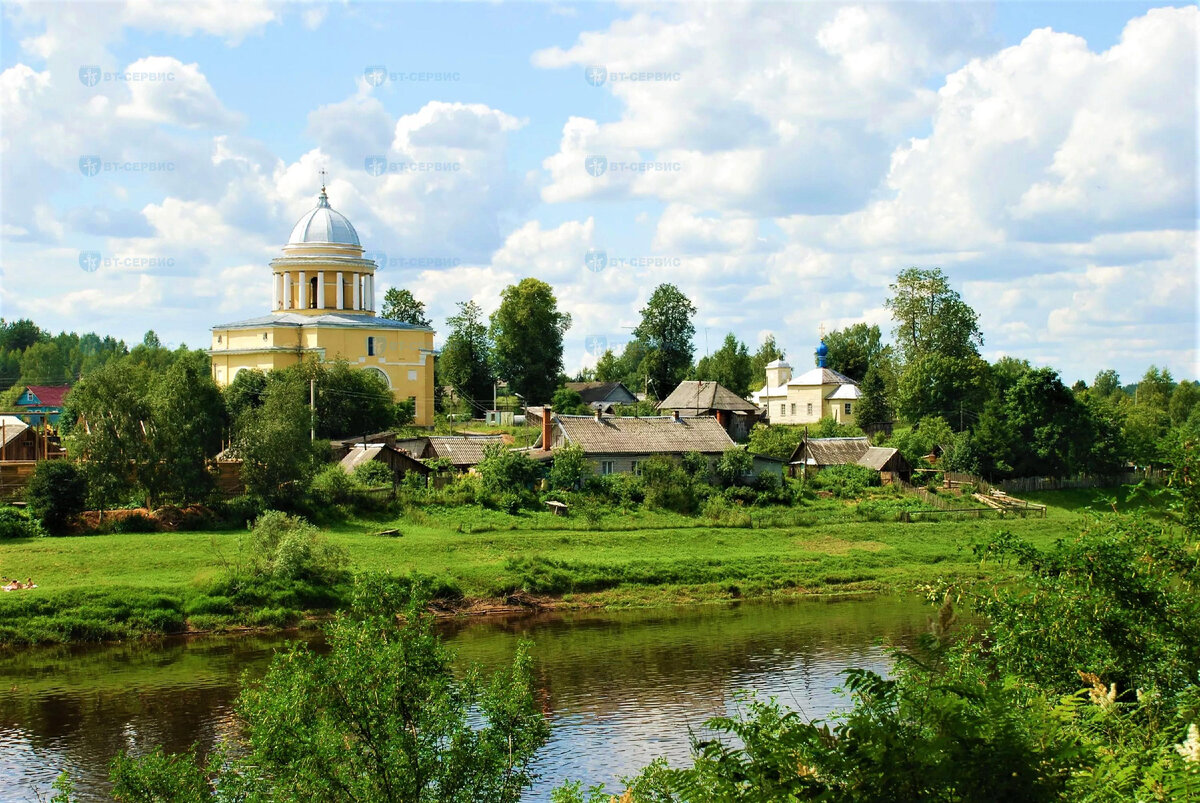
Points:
(778, 162)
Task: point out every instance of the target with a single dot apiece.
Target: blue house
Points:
(39, 402)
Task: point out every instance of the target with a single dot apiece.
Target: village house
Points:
(463, 452)
(806, 399)
(622, 444)
(42, 403)
(323, 306)
(399, 462)
(703, 398)
(603, 396)
(814, 454)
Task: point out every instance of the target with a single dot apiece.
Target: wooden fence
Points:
(1019, 485)
(943, 508)
(14, 476)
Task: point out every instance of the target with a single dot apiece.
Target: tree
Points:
(1006, 372)
(1049, 425)
(19, 335)
(44, 363)
(931, 318)
(527, 336)
(187, 420)
(57, 493)
(729, 365)
(150, 340)
(767, 353)
(666, 330)
(111, 441)
(608, 368)
(1107, 383)
(274, 445)
(953, 387)
(245, 392)
(465, 362)
(1183, 400)
(873, 407)
(401, 305)
(381, 716)
(853, 350)
(570, 467)
(569, 402)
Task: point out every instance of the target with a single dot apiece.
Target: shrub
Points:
(373, 475)
(507, 475)
(332, 485)
(135, 523)
(239, 511)
(734, 464)
(570, 468)
(289, 548)
(668, 486)
(845, 482)
(15, 524)
(56, 494)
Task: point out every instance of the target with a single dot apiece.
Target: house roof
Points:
(49, 395)
(632, 435)
(830, 451)
(821, 376)
(359, 455)
(592, 392)
(700, 395)
(11, 428)
(846, 393)
(460, 450)
(336, 320)
(877, 457)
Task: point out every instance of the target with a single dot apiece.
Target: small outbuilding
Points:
(814, 454)
(400, 463)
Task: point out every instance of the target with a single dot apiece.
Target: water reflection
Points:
(621, 687)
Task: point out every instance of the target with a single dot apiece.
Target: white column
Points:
(370, 280)
(320, 289)
(341, 291)
(274, 291)
(303, 303)
(287, 291)
(357, 293)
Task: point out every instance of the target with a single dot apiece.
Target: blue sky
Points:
(794, 158)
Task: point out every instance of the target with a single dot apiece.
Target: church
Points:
(806, 399)
(323, 306)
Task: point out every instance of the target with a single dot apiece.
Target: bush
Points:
(239, 511)
(135, 523)
(332, 485)
(507, 476)
(373, 475)
(15, 524)
(56, 494)
(845, 482)
(570, 468)
(289, 548)
(668, 485)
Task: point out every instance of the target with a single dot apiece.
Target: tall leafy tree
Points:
(527, 339)
(245, 392)
(873, 407)
(111, 440)
(187, 415)
(401, 305)
(955, 388)
(853, 350)
(608, 368)
(1154, 389)
(931, 317)
(1107, 383)
(729, 365)
(666, 330)
(465, 363)
(1184, 399)
(273, 442)
(1049, 425)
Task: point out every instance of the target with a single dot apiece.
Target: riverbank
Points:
(122, 586)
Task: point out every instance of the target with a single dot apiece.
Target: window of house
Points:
(607, 467)
(783, 409)
(312, 296)
(636, 465)
(847, 408)
(412, 376)
(264, 337)
(810, 408)
(370, 347)
(793, 409)
(218, 338)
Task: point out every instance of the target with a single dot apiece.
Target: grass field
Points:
(160, 582)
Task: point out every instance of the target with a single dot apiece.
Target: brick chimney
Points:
(597, 415)
(675, 415)
(547, 428)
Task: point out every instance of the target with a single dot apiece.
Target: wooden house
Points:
(399, 462)
(602, 396)
(703, 398)
(814, 454)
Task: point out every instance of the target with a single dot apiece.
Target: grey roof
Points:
(592, 392)
(322, 224)
(657, 435)
(821, 376)
(704, 395)
(877, 457)
(359, 455)
(845, 392)
(461, 450)
(329, 319)
(11, 428)
(831, 451)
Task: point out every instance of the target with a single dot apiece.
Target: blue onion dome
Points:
(822, 350)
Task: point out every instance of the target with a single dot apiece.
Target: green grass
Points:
(114, 586)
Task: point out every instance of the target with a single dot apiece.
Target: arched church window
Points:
(312, 296)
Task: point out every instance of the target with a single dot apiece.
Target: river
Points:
(623, 686)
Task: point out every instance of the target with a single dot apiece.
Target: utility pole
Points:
(312, 409)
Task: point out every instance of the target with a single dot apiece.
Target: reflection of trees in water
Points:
(648, 671)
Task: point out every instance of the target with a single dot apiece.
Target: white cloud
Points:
(174, 93)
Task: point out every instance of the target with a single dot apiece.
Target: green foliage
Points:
(287, 547)
(188, 417)
(465, 363)
(666, 330)
(570, 468)
(507, 476)
(734, 465)
(527, 334)
(730, 366)
(56, 494)
(830, 428)
(854, 350)
(931, 318)
(401, 305)
(404, 413)
(768, 352)
(922, 438)
(15, 524)
(953, 387)
(668, 486)
(332, 485)
(373, 475)
(873, 406)
(775, 441)
(846, 481)
(158, 776)
(245, 392)
(569, 402)
(274, 445)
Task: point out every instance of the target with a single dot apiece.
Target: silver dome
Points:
(323, 225)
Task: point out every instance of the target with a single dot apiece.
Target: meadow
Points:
(115, 586)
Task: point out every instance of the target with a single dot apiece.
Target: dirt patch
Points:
(167, 518)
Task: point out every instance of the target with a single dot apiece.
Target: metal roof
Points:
(323, 225)
(703, 395)
(459, 450)
(821, 376)
(337, 320)
(633, 435)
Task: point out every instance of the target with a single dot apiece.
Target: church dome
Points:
(323, 225)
